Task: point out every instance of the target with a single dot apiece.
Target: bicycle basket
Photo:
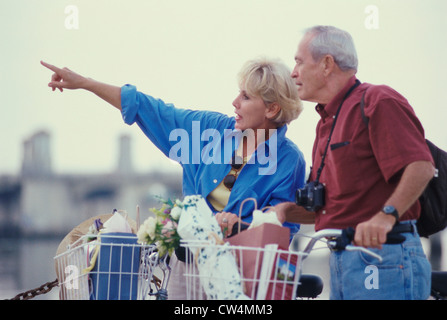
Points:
(262, 273)
(112, 267)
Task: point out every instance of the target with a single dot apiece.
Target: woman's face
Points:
(251, 112)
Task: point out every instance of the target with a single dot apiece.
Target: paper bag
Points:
(251, 260)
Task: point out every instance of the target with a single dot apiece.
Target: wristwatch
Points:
(391, 211)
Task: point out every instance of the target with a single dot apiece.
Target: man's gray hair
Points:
(335, 42)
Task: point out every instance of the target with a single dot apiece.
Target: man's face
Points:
(308, 74)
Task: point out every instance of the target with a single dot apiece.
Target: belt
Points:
(403, 228)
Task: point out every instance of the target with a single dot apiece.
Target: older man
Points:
(372, 173)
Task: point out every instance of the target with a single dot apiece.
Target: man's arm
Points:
(290, 212)
(414, 180)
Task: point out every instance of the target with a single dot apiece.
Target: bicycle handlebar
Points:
(347, 236)
(341, 239)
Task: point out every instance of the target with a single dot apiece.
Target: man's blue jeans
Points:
(404, 274)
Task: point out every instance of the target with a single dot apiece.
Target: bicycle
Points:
(160, 284)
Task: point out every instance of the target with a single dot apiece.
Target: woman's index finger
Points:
(51, 67)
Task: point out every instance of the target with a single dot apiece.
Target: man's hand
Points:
(372, 233)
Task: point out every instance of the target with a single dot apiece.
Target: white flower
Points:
(142, 235)
(176, 212)
(147, 229)
(149, 226)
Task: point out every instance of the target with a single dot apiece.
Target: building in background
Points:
(41, 202)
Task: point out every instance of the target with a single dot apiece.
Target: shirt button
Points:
(323, 212)
(215, 180)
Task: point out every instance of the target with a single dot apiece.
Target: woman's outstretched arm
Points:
(67, 79)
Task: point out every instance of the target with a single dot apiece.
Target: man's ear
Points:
(328, 64)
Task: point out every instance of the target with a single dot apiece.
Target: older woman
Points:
(224, 159)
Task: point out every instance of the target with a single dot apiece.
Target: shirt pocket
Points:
(342, 164)
(338, 145)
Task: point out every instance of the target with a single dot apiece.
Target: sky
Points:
(188, 53)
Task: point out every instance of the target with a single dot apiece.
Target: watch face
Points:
(388, 209)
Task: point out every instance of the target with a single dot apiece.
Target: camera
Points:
(311, 196)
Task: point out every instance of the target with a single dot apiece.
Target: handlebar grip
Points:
(348, 236)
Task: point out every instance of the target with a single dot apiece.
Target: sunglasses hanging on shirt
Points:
(237, 163)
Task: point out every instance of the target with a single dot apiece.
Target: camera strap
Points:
(357, 83)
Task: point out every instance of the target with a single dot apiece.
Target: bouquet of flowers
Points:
(161, 230)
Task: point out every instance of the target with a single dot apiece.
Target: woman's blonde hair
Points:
(271, 81)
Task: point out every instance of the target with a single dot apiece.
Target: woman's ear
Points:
(272, 111)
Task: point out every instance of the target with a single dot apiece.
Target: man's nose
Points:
(294, 73)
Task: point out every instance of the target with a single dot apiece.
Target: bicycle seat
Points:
(439, 282)
(310, 286)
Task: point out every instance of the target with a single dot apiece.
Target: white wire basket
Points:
(110, 267)
(224, 271)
